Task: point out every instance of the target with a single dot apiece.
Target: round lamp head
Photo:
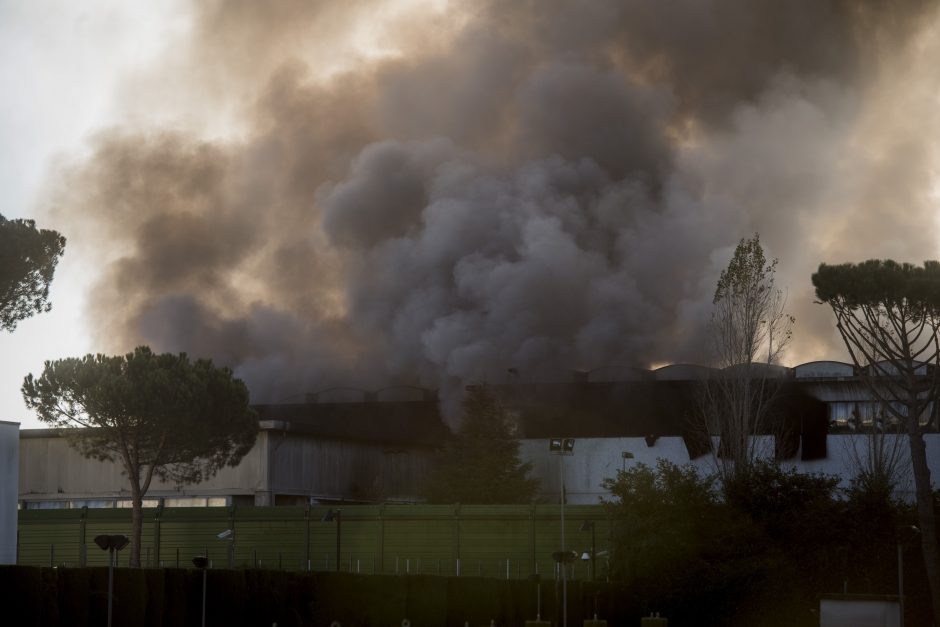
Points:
(111, 542)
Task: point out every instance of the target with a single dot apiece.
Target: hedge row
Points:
(67, 597)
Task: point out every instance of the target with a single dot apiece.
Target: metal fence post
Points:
(457, 536)
(307, 536)
(381, 540)
(82, 549)
(157, 532)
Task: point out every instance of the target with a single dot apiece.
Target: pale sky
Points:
(60, 65)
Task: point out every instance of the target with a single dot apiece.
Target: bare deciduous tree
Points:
(877, 455)
(750, 329)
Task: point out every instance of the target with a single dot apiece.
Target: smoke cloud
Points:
(364, 193)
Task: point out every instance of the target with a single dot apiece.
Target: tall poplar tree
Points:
(749, 331)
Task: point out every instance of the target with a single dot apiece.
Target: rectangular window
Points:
(46, 505)
(126, 503)
(93, 503)
(185, 501)
(839, 414)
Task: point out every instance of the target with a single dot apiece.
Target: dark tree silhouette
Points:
(888, 315)
(480, 464)
(28, 257)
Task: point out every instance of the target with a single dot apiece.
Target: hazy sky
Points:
(60, 67)
(371, 193)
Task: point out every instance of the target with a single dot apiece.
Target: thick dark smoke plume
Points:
(368, 193)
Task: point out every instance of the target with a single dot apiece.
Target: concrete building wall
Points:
(339, 469)
(596, 459)
(9, 469)
(847, 453)
(289, 468)
(50, 470)
(282, 468)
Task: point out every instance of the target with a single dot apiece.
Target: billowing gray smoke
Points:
(532, 185)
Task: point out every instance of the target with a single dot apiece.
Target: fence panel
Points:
(490, 540)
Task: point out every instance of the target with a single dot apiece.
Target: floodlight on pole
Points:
(625, 455)
(112, 544)
(337, 515)
(228, 536)
(561, 446)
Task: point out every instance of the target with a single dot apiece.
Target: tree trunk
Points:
(137, 523)
(925, 513)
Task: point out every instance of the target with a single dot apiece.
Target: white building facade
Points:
(9, 473)
(596, 459)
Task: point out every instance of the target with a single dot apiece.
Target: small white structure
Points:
(9, 471)
(849, 610)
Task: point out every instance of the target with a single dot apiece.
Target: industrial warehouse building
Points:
(345, 445)
(358, 452)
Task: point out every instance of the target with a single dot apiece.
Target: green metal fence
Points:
(504, 541)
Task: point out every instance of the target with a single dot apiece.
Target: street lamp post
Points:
(538, 595)
(111, 544)
(337, 515)
(562, 447)
(588, 525)
(202, 563)
(905, 532)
